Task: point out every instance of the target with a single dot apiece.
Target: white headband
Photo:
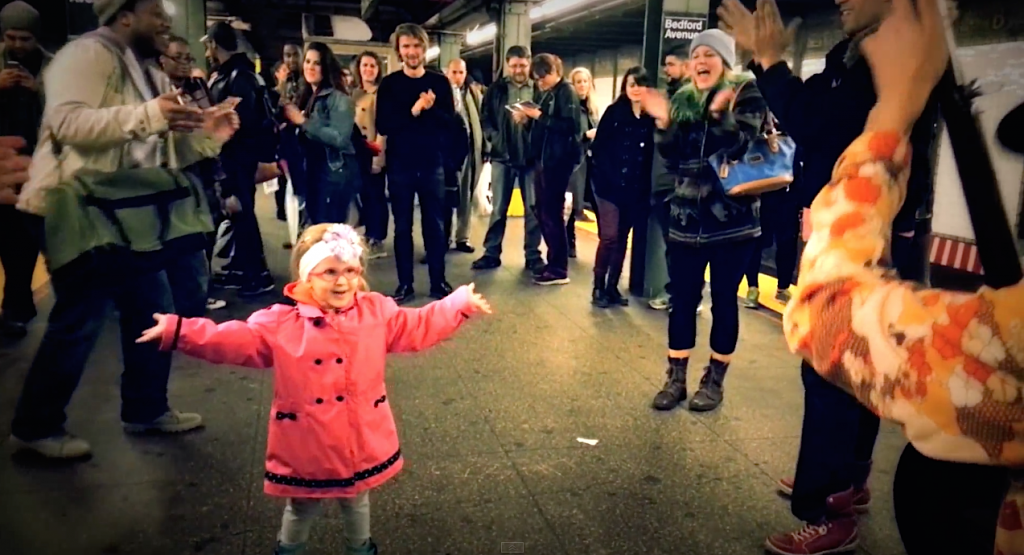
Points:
(340, 241)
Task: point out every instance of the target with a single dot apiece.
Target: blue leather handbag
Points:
(766, 166)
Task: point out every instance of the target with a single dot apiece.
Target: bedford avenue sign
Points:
(682, 28)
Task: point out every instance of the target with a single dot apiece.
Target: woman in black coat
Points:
(622, 154)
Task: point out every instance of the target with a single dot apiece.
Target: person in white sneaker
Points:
(107, 106)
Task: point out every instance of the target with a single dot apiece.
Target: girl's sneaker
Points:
(752, 299)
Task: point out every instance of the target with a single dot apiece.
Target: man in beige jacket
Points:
(107, 108)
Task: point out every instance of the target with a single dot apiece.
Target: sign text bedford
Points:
(682, 28)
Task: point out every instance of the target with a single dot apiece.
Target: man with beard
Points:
(509, 148)
(109, 108)
(22, 62)
(416, 113)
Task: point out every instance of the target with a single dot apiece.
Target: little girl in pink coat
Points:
(332, 434)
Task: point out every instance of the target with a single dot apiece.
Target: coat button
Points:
(318, 361)
(318, 322)
(319, 401)
(339, 398)
(337, 360)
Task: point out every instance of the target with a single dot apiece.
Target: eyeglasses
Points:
(332, 275)
(185, 59)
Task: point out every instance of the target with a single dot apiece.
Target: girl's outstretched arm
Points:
(415, 329)
(234, 342)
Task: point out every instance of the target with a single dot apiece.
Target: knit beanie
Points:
(720, 42)
(19, 16)
(107, 9)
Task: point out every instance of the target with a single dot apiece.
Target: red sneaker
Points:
(836, 534)
(861, 496)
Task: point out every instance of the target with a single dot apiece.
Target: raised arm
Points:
(234, 342)
(948, 366)
(416, 329)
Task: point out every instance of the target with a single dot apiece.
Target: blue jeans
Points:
(84, 291)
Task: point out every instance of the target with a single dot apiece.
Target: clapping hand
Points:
(425, 102)
(180, 117)
(294, 115)
(656, 105)
(156, 332)
(722, 101)
(221, 121)
(478, 301)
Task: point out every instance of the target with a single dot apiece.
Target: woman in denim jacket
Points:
(717, 111)
(326, 121)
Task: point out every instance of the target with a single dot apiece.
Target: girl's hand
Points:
(904, 82)
(478, 301)
(156, 332)
(722, 100)
(294, 115)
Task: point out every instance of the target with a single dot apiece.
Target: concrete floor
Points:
(489, 423)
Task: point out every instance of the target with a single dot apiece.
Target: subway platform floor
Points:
(490, 422)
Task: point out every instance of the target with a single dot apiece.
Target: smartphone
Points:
(527, 104)
(14, 65)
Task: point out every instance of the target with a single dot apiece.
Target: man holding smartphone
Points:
(22, 62)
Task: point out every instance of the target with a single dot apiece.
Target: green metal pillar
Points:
(668, 22)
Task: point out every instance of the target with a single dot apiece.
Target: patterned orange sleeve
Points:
(945, 365)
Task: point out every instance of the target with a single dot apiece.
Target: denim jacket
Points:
(329, 122)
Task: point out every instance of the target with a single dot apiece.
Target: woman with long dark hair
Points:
(622, 152)
(326, 119)
(369, 70)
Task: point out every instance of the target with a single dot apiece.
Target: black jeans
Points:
(686, 272)
(375, 206)
(84, 291)
(249, 257)
(780, 224)
(614, 221)
(944, 507)
(19, 253)
(838, 435)
(404, 186)
(331, 193)
(552, 182)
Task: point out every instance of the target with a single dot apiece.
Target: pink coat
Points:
(332, 433)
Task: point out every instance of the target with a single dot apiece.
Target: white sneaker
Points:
(64, 446)
(171, 422)
(215, 304)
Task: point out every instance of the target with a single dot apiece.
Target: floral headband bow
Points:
(341, 241)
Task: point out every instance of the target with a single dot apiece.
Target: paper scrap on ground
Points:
(587, 441)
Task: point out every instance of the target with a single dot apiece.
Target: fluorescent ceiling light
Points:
(483, 34)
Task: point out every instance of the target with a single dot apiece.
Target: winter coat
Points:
(688, 197)
(622, 152)
(331, 433)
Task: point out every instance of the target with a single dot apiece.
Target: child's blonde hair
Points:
(313, 235)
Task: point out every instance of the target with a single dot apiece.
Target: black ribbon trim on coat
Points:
(336, 482)
(379, 401)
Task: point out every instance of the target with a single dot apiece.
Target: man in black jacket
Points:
(824, 114)
(237, 78)
(509, 147)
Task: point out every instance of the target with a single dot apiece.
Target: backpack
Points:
(268, 135)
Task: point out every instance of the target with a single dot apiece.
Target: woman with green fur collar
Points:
(716, 111)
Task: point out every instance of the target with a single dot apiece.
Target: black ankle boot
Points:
(599, 298)
(674, 391)
(711, 392)
(615, 298)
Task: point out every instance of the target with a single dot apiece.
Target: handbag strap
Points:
(770, 125)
